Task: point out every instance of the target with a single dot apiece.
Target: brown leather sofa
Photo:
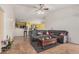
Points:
(57, 36)
(47, 42)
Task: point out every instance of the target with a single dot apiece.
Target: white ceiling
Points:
(26, 12)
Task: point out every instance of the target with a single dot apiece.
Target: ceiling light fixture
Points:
(40, 12)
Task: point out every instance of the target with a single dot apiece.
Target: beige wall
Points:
(9, 20)
(7, 23)
(1, 27)
(65, 19)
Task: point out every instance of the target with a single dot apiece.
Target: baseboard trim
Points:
(73, 43)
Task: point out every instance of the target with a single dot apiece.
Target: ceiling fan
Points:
(41, 9)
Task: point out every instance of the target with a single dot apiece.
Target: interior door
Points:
(1, 27)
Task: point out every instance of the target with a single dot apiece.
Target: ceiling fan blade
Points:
(41, 6)
(46, 8)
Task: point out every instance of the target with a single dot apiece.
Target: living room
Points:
(21, 21)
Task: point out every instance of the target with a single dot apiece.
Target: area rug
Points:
(40, 49)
